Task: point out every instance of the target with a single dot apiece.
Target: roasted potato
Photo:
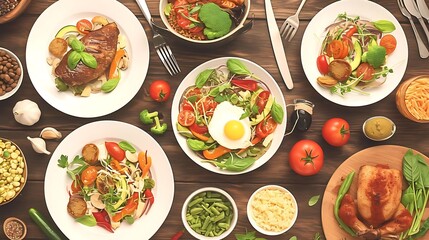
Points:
(340, 69)
(76, 206)
(58, 47)
(90, 153)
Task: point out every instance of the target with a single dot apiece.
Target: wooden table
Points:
(254, 45)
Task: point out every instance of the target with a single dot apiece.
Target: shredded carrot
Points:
(145, 162)
(114, 66)
(215, 153)
(116, 165)
(200, 136)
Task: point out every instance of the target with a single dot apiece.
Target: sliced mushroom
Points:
(96, 201)
(326, 81)
(132, 157)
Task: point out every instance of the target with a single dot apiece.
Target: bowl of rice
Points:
(272, 210)
(204, 22)
(412, 99)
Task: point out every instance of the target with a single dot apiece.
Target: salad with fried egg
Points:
(229, 116)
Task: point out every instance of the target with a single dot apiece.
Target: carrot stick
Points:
(113, 67)
(215, 153)
(200, 136)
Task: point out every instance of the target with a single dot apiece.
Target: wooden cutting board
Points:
(390, 155)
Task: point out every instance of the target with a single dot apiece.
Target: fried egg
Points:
(228, 129)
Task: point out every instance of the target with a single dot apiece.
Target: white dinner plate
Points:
(258, 71)
(315, 33)
(68, 12)
(57, 181)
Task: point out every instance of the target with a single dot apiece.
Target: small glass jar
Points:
(301, 117)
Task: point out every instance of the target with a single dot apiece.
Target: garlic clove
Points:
(50, 133)
(39, 145)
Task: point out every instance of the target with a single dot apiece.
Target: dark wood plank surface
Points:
(254, 45)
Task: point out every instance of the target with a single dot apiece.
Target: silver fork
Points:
(291, 24)
(423, 51)
(162, 49)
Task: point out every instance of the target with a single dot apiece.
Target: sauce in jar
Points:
(378, 128)
(14, 229)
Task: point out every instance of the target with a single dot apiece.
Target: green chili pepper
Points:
(345, 186)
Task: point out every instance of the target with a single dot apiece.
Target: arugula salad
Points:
(229, 116)
(353, 54)
(112, 183)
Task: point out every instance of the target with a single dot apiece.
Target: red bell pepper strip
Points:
(103, 220)
(150, 199)
(246, 84)
(178, 235)
(129, 208)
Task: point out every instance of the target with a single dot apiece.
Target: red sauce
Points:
(376, 191)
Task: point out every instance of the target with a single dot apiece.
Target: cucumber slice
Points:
(66, 30)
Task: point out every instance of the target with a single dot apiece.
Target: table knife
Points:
(411, 6)
(276, 42)
(423, 8)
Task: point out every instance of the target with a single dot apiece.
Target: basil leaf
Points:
(313, 200)
(203, 77)
(77, 45)
(196, 145)
(293, 238)
(124, 145)
(61, 86)
(236, 164)
(192, 99)
(87, 220)
(73, 59)
(110, 85)
(277, 113)
(384, 26)
(237, 67)
(89, 60)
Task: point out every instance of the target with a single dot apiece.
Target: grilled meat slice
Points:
(101, 44)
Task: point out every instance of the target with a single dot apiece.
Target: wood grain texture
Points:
(254, 45)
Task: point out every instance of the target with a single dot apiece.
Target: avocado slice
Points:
(358, 55)
(66, 30)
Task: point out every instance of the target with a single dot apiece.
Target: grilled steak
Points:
(101, 44)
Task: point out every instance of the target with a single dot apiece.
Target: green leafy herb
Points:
(77, 45)
(384, 26)
(203, 77)
(247, 236)
(237, 67)
(63, 161)
(277, 113)
(313, 200)
(89, 60)
(126, 146)
(235, 163)
(75, 167)
(87, 220)
(293, 238)
(317, 236)
(77, 54)
(73, 59)
(110, 85)
(196, 145)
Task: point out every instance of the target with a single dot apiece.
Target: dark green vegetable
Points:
(237, 67)
(39, 219)
(234, 163)
(87, 220)
(277, 113)
(196, 145)
(217, 22)
(110, 85)
(247, 236)
(73, 59)
(203, 77)
(126, 146)
(341, 192)
(88, 60)
(61, 86)
(77, 54)
(77, 45)
(146, 117)
(158, 128)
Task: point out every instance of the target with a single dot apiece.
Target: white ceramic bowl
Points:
(210, 189)
(18, 84)
(292, 215)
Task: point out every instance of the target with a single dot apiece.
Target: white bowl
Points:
(210, 189)
(293, 216)
(18, 84)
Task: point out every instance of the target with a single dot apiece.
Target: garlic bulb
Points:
(26, 112)
(39, 145)
(50, 133)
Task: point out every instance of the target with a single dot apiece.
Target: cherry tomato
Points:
(185, 105)
(389, 42)
(207, 106)
(201, 129)
(323, 64)
(262, 100)
(115, 151)
(306, 157)
(159, 90)
(366, 71)
(336, 132)
(266, 127)
(89, 175)
(337, 49)
(76, 186)
(84, 26)
(186, 118)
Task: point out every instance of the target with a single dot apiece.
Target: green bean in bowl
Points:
(209, 213)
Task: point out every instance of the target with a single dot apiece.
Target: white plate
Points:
(57, 180)
(315, 33)
(66, 12)
(257, 70)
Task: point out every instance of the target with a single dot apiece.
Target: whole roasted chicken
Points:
(377, 212)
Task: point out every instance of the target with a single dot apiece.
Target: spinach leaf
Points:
(237, 67)
(110, 85)
(196, 145)
(410, 167)
(423, 229)
(236, 164)
(203, 77)
(124, 145)
(277, 113)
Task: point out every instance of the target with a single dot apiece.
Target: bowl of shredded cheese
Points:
(272, 210)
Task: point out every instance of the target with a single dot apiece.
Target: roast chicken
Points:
(102, 45)
(377, 212)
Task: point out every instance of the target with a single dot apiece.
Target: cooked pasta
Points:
(417, 98)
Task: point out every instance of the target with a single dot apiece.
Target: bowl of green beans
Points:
(209, 213)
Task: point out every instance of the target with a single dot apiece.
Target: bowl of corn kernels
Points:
(13, 171)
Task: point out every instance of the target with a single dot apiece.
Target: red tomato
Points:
(207, 106)
(366, 71)
(306, 157)
(336, 131)
(389, 42)
(337, 49)
(89, 175)
(201, 129)
(76, 186)
(262, 100)
(323, 64)
(186, 118)
(159, 90)
(84, 26)
(185, 105)
(115, 151)
(266, 127)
